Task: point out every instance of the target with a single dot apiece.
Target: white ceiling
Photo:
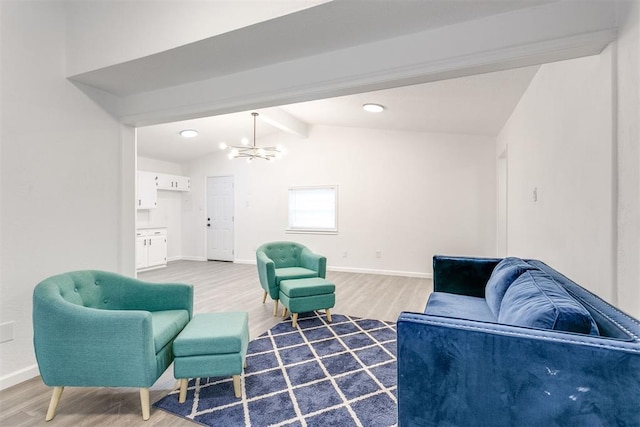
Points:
(477, 105)
(337, 24)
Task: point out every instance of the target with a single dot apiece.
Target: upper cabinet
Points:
(173, 182)
(147, 191)
(150, 182)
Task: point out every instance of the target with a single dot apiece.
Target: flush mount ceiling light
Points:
(373, 108)
(188, 133)
(251, 152)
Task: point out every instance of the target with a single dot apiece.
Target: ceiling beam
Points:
(531, 36)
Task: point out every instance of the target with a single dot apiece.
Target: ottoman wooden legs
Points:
(294, 316)
(211, 345)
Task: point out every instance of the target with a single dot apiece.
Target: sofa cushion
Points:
(167, 325)
(503, 275)
(459, 306)
(289, 273)
(536, 300)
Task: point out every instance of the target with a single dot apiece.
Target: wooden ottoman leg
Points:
(236, 386)
(53, 404)
(294, 320)
(328, 312)
(144, 402)
(183, 389)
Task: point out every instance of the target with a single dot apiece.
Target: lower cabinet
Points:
(151, 248)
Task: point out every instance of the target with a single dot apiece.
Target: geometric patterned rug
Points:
(322, 374)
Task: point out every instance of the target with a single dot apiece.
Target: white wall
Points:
(61, 174)
(408, 195)
(169, 211)
(103, 33)
(560, 141)
(628, 161)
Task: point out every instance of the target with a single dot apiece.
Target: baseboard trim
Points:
(19, 376)
(361, 270)
(190, 258)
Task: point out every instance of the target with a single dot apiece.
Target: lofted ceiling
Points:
(477, 105)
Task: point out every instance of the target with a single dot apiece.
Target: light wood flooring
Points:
(219, 286)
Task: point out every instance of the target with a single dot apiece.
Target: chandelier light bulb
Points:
(251, 151)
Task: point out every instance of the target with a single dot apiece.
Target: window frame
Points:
(312, 230)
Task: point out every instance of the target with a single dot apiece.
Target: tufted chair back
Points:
(283, 254)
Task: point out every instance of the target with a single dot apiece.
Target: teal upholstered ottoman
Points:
(211, 345)
(303, 295)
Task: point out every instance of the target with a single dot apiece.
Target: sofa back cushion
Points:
(503, 275)
(536, 300)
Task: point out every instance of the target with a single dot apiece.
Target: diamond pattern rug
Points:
(323, 374)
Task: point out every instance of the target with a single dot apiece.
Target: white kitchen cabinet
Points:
(173, 182)
(147, 191)
(151, 248)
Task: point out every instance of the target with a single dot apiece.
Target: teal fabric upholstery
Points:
(279, 261)
(212, 345)
(101, 329)
(304, 295)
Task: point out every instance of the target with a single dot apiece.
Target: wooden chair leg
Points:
(183, 389)
(144, 402)
(53, 404)
(294, 320)
(236, 386)
(264, 297)
(328, 312)
(284, 312)
(275, 308)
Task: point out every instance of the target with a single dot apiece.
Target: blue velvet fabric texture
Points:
(507, 270)
(462, 275)
(95, 329)
(460, 306)
(453, 372)
(535, 300)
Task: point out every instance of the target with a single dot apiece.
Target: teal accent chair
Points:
(279, 261)
(101, 329)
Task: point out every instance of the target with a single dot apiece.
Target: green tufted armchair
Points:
(100, 329)
(279, 261)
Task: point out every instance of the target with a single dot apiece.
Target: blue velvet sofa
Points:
(512, 342)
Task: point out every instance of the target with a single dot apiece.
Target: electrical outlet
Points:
(6, 331)
(378, 254)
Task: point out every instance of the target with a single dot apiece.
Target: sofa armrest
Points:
(267, 274)
(462, 275)
(459, 372)
(315, 262)
(85, 347)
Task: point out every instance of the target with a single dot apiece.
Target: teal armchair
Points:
(279, 261)
(100, 329)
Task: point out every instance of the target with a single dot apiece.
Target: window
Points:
(313, 209)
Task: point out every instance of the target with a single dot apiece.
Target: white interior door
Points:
(220, 212)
